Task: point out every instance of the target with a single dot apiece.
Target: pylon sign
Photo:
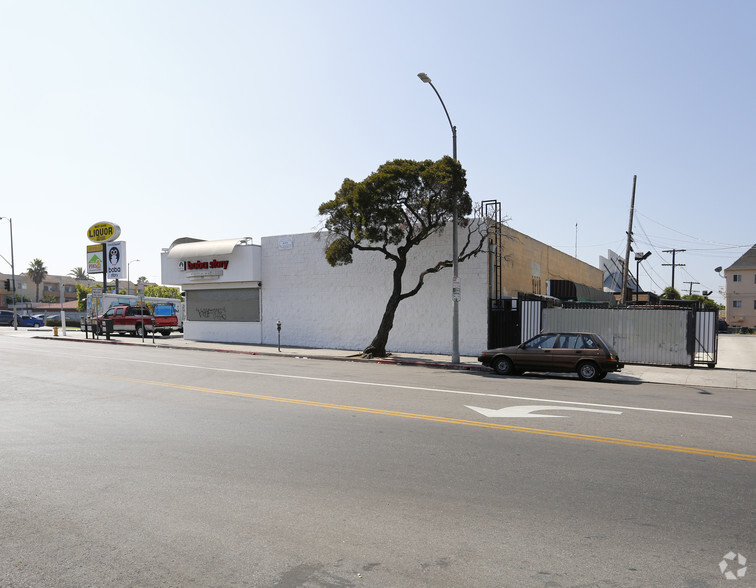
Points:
(103, 232)
(95, 259)
(115, 259)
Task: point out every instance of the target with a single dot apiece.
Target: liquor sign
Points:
(103, 232)
(95, 259)
(115, 259)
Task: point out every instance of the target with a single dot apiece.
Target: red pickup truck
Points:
(138, 320)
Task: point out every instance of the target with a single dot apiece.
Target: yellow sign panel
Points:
(103, 232)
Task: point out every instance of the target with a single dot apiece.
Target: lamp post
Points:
(455, 246)
(638, 258)
(13, 275)
(128, 273)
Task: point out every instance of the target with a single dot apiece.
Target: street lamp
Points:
(638, 258)
(128, 273)
(455, 248)
(13, 274)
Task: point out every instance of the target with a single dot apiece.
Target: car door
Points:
(537, 353)
(568, 351)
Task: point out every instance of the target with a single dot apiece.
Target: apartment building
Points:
(741, 290)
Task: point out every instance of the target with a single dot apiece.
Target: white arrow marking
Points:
(526, 411)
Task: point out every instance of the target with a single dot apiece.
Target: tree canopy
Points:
(401, 204)
(393, 210)
(78, 273)
(670, 294)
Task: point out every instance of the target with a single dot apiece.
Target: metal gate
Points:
(642, 335)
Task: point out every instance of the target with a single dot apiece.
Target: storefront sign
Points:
(115, 258)
(203, 265)
(103, 232)
(95, 259)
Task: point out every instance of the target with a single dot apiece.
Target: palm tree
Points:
(78, 273)
(37, 272)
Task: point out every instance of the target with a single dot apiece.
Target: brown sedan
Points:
(585, 353)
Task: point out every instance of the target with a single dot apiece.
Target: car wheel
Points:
(139, 331)
(97, 329)
(588, 370)
(165, 333)
(503, 366)
(37, 325)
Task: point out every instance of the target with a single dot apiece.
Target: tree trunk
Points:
(377, 347)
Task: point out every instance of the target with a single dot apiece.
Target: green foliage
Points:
(706, 302)
(81, 297)
(162, 291)
(670, 294)
(78, 273)
(400, 205)
(50, 299)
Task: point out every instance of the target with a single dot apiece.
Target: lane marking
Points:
(422, 389)
(400, 386)
(524, 412)
(448, 420)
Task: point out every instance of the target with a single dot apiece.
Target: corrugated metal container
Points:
(648, 336)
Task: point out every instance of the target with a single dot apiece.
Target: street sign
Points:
(456, 289)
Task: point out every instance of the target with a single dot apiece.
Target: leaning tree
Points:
(392, 211)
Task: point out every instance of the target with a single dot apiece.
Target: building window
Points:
(737, 278)
(737, 303)
(754, 304)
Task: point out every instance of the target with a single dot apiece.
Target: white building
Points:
(237, 291)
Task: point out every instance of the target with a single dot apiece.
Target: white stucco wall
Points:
(223, 332)
(341, 307)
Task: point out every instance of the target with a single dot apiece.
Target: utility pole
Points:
(691, 286)
(576, 233)
(623, 296)
(673, 264)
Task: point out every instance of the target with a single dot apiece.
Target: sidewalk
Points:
(736, 365)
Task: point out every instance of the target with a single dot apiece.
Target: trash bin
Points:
(108, 324)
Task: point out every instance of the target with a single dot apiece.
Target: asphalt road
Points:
(130, 466)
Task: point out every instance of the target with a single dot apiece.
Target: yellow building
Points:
(527, 266)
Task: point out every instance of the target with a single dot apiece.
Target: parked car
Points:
(6, 317)
(52, 320)
(585, 353)
(28, 320)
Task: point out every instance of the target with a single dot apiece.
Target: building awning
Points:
(180, 249)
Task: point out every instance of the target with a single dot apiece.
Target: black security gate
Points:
(503, 323)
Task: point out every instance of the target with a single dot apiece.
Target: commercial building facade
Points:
(237, 291)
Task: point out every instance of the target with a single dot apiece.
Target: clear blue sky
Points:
(218, 119)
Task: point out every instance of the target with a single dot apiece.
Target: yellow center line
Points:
(439, 419)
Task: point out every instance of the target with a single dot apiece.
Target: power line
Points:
(691, 236)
